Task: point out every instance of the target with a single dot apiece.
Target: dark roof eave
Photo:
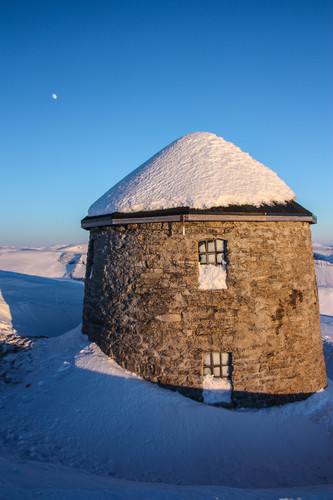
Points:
(290, 211)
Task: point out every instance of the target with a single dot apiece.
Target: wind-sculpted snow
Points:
(199, 170)
(36, 306)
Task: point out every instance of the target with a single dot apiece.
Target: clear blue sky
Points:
(132, 76)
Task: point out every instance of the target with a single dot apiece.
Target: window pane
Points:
(225, 358)
(202, 246)
(225, 371)
(217, 371)
(211, 258)
(216, 358)
(219, 258)
(203, 258)
(207, 371)
(206, 359)
(211, 246)
(219, 245)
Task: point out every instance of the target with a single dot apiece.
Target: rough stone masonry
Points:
(144, 309)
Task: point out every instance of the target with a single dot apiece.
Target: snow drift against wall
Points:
(199, 170)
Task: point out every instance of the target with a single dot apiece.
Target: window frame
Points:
(215, 256)
(218, 364)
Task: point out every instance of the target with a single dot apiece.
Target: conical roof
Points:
(199, 170)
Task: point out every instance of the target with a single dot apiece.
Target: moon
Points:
(54, 96)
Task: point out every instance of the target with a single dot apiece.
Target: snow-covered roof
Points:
(199, 170)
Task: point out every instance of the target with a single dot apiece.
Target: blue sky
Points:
(131, 77)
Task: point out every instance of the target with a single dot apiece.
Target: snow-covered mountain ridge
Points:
(57, 261)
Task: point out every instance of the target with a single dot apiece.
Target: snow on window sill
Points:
(213, 277)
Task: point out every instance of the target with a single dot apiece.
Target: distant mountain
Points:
(323, 256)
(57, 261)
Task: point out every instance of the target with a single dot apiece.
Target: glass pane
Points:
(206, 359)
(216, 358)
(202, 246)
(225, 358)
(225, 371)
(211, 258)
(219, 245)
(203, 258)
(219, 258)
(216, 371)
(211, 246)
(207, 371)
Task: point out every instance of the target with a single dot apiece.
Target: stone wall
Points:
(143, 307)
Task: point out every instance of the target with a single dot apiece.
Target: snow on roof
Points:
(199, 170)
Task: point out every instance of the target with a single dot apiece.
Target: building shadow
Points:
(242, 399)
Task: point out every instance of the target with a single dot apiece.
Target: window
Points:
(211, 252)
(212, 265)
(217, 364)
(216, 384)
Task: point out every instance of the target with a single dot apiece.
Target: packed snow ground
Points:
(73, 424)
(199, 170)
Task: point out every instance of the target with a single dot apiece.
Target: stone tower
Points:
(200, 277)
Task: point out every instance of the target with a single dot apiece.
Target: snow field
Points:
(77, 407)
(73, 424)
(25, 480)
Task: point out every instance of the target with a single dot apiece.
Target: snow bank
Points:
(5, 316)
(326, 325)
(326, 300)
(35, 306)
(324, 274)
(199, 170)
(38, 296)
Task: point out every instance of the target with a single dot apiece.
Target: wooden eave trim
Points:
(107, 220)
(250, 218)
